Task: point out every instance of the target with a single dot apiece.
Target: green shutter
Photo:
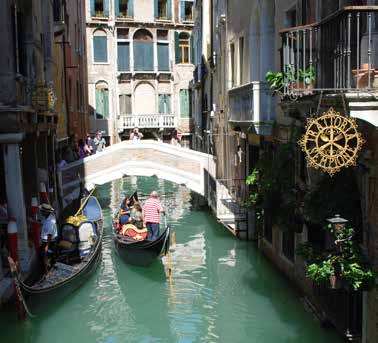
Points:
(93, 13)
(156, 9)
(169, 9)
(191, 49)
(143, 56)
(161, 103)
(106, 103)
(116, 8)
(168, 103)
(131, 8)
(99, 104)
(184, 103)
(182, 17)
(177, 48)
(100, 49)
(123, 56)
(163, 56)
(106, 6)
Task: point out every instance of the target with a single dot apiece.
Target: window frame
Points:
(93, 48)
(182, 11)
(95, 100)
(167, 10)
(128, 15)
(182, 48)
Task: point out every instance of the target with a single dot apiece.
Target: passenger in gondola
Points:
(49, 235)
(136, 216)
(125, 211)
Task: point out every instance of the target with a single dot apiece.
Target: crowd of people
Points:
(142, 217)
(82, 148)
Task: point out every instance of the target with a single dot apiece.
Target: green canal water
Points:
(223, 289)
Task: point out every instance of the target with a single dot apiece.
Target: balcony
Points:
(147, 121)
(251, 106)
(337, 54)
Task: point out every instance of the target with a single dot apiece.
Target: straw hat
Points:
(46, 208)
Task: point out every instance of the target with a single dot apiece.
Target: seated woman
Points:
(135, 229)
(136, 213)
(124, 211)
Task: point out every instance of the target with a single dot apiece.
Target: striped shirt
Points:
(152, 208)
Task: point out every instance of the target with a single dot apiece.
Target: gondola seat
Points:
(87, 232)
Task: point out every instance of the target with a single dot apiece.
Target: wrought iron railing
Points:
(338, 53)
(130, 121)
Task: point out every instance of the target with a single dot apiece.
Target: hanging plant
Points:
(343, 267)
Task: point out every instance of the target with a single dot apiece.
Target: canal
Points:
(223, 289)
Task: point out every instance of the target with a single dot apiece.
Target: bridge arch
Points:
(145, 158)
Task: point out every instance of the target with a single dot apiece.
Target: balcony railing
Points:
(147, 121)
(339, 53)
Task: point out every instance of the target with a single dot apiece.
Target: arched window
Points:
(143, 51)
(100, 47)
(102, 100)
(182, 47)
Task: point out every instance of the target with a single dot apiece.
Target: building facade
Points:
(40, 41)
(140, 63)
(326, 52)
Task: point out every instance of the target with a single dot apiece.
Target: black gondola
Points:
(73, 266)
(140, 253)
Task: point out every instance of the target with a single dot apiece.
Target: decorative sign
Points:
(43, 98)
(331, 142)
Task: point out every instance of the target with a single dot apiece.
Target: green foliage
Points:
(345, 263)
(271, 188)
(279, 80)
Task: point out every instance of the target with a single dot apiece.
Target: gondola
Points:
(73, 265)
(140, 253)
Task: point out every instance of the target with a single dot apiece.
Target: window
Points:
(162, 34)
(123, 34)
(125, 104)
(232, 64)
(163, 56)
(163, 9)
(102, 100)
(123, 56)
(187, 10)
(241, 57)
(164, 103)
(183, 48)
(99, 8)
(124, 8)
(185, 103)
(100, 47)
(143, 51)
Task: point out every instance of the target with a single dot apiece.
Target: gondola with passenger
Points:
(78, 254)
(132, 243)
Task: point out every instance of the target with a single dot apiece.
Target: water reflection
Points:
(223, 290)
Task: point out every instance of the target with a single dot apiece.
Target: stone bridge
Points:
(144, 158)
(194, 169)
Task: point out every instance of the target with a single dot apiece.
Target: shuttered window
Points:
(164, 103)
(99, 8)
(143, 56)
(123, 56)
(124, 8)
(183, 48)
(100, 49)
(163, 9)
(186, 10)
(102, 103)
(125, 104)
(185, 103)
(163, 56)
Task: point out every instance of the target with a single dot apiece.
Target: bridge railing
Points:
(146, 121)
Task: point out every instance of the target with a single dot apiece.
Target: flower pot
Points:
(301, 88)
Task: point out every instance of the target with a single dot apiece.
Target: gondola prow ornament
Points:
(331, 142)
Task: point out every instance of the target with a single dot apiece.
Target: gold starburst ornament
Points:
(331, 142)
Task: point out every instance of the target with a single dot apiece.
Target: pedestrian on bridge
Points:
(151, 214)
(135, 135)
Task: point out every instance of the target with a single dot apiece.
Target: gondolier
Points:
(49, 234)
(152, 209)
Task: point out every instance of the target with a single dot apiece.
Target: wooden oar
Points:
(84, 202)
